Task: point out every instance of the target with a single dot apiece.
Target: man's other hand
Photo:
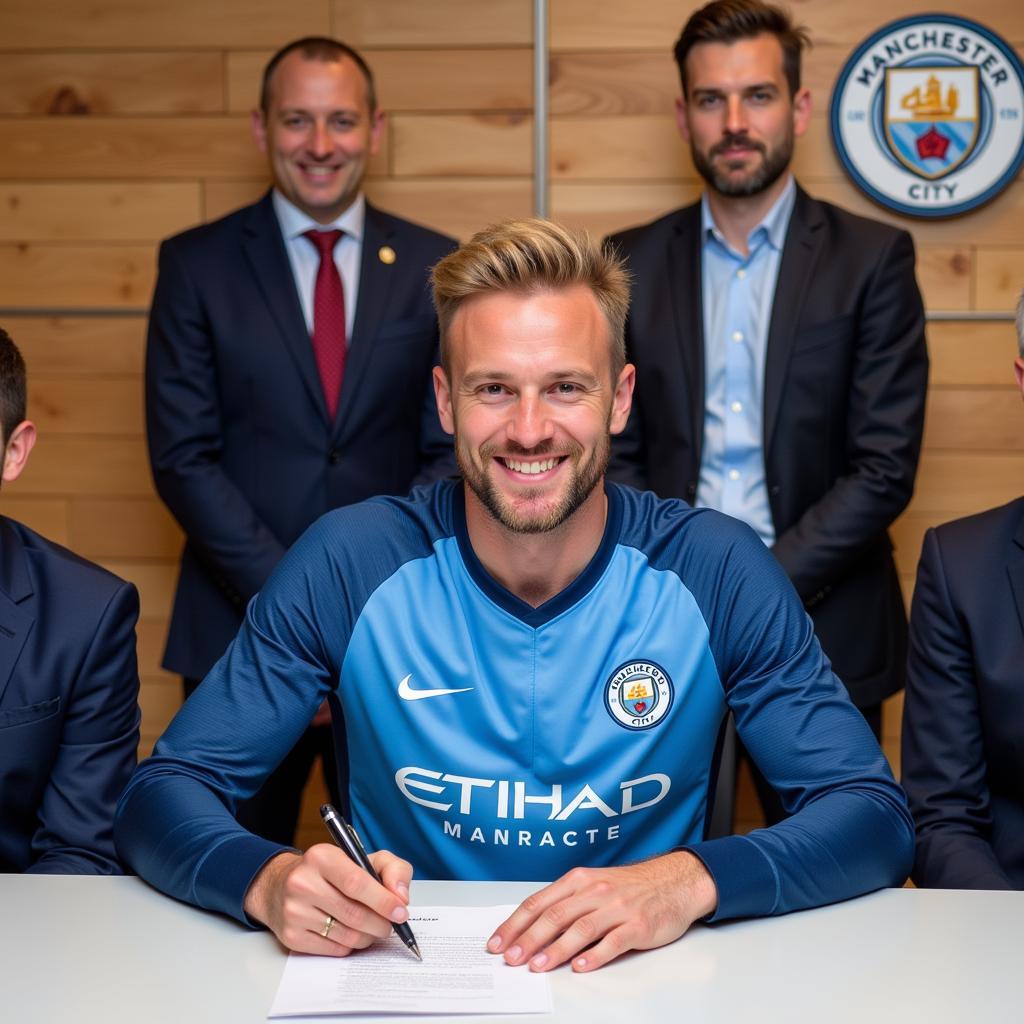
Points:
(595, 914)
(298, 897)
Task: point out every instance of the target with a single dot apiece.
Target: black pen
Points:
(347, 838)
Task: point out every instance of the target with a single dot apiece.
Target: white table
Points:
(111, 950)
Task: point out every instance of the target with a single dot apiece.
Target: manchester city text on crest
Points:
(638, 694)
(928, 115)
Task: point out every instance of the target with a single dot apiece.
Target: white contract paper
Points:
(457, 974)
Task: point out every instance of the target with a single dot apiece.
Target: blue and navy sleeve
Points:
(175, 823)
(850, 830)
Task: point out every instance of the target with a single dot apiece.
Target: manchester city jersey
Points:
(489, 739)
(504, 741)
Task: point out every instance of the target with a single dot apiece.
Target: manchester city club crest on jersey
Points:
(928, 115)
(638, 694)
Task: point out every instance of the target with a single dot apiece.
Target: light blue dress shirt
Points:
(738, 292)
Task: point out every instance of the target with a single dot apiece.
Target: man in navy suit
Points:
(963, 719)
(281, 383)
(69, 684)
(780, 351)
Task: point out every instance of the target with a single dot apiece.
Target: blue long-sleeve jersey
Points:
(492, 740)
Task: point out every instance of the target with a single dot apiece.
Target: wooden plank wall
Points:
(123, 123)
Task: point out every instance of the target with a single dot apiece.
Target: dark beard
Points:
(582, 485)
(773, 166)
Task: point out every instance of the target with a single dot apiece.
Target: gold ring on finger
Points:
(328, 925)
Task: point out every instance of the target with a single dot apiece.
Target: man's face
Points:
(318, 133)
(738, 115)
(531, 402)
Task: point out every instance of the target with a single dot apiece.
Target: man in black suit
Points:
(69, 683)
(963, 718)
(780, 351)
(288, 371)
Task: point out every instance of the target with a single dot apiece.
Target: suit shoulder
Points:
(868, 232)
(415, 234)
(212, 235)
(970, 538)
(54, 561)
(655, 233)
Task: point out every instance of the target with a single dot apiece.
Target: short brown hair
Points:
(13, 385)
(528, 256)
(726, 21)
(320, 48)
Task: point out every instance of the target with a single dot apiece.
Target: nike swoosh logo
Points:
(406, 692)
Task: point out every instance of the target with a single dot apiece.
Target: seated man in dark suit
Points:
(963, 721)
(69, 713)
(288, 372)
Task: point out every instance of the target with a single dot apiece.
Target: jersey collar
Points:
(575, 592)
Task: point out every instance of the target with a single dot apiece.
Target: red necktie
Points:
(329, 342)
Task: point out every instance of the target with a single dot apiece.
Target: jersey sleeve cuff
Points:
(743, 875)
(226, 873)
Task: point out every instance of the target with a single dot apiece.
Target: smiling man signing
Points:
(535, 666)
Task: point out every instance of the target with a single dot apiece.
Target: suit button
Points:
(691, 489)
(333, 456)
(773, 490)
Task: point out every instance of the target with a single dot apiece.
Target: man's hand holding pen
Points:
(321, 902)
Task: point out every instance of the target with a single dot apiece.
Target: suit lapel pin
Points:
(386, 255)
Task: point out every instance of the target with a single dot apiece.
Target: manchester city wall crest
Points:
(638, 694)
(928, 115)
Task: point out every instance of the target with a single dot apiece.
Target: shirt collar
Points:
(773, 225)
(295, 223)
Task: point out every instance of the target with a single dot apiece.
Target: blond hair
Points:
(528, 256)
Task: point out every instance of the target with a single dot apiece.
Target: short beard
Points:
(585, 478)
(773, 166)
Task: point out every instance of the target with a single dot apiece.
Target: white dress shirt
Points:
(305, 260)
